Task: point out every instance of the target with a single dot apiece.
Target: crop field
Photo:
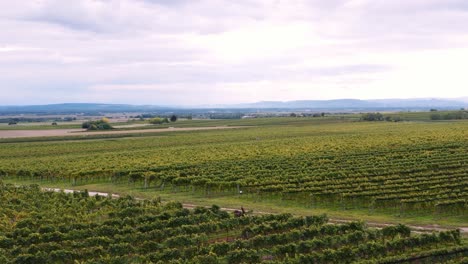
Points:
(402, 169)
(54, 227)
(83, 133)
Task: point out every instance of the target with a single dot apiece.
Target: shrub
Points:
(102, 124)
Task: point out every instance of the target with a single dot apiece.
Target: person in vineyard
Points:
(240, 213)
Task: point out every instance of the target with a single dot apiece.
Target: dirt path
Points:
(132, 126)
(82, 132)
(417, 229)
(90, 193)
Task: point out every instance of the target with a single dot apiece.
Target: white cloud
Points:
(207, 51)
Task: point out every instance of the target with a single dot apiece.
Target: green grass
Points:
(272, 121)
(40, 126)
(60, 125)
(418, 116)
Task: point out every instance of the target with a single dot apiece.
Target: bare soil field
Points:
(37, 133)
(78, 132)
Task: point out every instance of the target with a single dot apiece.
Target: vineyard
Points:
(54, 227)
(385, 168)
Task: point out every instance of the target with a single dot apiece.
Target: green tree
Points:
(155, 121)
(102, 124)
(158, 120)
(436, 117)
(372, 117)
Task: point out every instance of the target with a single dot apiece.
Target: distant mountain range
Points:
(356, 104)
(79, 108)
(322, 105)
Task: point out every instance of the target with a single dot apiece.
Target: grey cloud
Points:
(76, 44)
(143, 16)
(95, 16)
(127, 17)
(410, 17)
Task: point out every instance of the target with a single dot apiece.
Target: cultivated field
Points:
(83, 132)
(50, 227)
(406, 170)
(385, 173)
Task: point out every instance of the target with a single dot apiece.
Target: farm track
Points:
(82, 132)
(415, 228)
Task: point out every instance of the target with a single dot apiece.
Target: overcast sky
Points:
(192, 52)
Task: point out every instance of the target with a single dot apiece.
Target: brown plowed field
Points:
(79, 132)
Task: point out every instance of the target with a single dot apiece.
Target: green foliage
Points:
(407, 168)
(380, 117)
(77, 228)
(372, 117)
(158, 121)
(102, 124)
(457, 115)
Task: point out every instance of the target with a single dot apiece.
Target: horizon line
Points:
(462, 99)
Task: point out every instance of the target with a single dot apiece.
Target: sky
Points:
(201, 52)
